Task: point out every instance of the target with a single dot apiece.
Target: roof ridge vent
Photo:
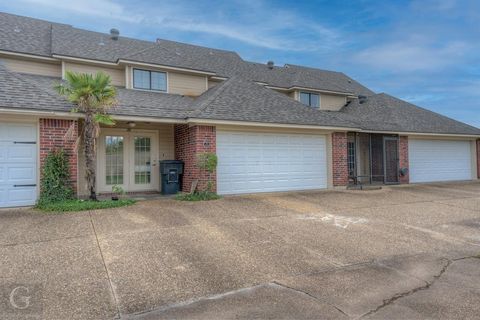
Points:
(114, 33)
(270, 64)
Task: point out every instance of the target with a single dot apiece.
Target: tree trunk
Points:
(89, 138)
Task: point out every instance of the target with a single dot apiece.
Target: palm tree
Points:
(92, 95)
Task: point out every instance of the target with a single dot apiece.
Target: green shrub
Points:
(197, 196)
(55, 182)
(208, 161)
(81, 205)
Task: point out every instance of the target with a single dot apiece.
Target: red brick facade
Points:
(56, 134)
(403, 158)
(189, 142)
(339, 159)
(478, 158)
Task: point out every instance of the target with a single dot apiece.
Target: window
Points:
(149, 80)
(310, 99)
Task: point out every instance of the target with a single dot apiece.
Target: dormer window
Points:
(149, 80)
(310, 99)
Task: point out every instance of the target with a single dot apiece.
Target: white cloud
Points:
(257, 23)
(99, 8)
(410, 57)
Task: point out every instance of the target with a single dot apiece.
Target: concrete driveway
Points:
(400, 252)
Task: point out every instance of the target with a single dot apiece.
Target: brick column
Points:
(56, 134)
(478, 158)
(340, 159)
(403, 158)
(189, 142)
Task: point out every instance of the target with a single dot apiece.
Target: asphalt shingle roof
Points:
(382, 112)
(237, 99)
(79, 43)
(297, 76)
(25, 35)
(99, 46)
(16, 91)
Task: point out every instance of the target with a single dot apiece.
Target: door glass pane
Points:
(142, 160)
(114, 160)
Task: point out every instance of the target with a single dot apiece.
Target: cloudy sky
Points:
(426, 51)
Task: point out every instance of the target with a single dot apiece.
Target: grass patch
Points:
(197, 196)
(82, 205)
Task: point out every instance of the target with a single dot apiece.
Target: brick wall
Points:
(403, 158)
(340, 157)
(189, 142)
(55, 134)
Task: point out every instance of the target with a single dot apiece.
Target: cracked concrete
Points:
(401, 295)
(414, 255)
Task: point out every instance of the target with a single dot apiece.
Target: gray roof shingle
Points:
(25, 35)
(79, 43)
(297, 76)
(172, 53)
(99, 46)
(237, 99)
(382, 112)
(17, 91)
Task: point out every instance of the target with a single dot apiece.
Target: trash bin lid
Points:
(171, 161)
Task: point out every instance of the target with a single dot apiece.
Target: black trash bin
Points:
(170, 173)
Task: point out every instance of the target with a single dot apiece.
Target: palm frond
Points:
(88, 92)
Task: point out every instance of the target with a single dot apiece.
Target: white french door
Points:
(127, 159)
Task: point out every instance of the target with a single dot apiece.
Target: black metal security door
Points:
(390, 158)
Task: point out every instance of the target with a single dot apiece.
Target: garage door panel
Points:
(18, 164)
(20, 196)
(439, 160)
(266, 162)
(18, 132)
(21, 174)
(21, 153)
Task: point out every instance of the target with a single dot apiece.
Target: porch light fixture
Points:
(206, 143)
(131, 124)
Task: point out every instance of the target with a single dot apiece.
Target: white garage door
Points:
(264, 162)
(439, 160)
(18, 164)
